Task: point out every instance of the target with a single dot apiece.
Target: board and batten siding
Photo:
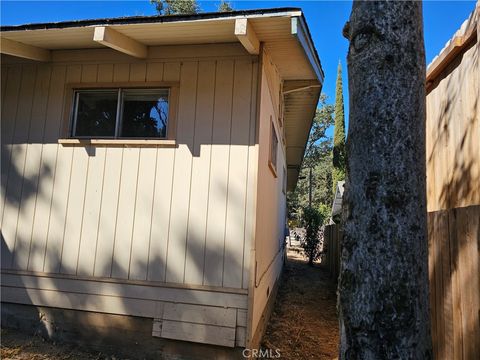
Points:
(269, 231)
(127, 215)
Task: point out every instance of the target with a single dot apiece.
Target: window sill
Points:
(118, 142)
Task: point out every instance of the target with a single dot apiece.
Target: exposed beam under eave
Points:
(120, 42)
(18, 49)
(246, 35)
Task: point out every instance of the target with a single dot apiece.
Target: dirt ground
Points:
(17, 346)
(304, 323)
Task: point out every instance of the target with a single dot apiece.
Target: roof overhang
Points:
(282, 31)
(300, 103)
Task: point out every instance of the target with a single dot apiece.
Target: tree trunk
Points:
(383, 286)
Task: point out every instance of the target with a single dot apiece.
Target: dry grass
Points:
(18, 346)
(304, 323)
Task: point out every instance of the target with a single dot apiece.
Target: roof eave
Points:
(301, 32)
(156, 19)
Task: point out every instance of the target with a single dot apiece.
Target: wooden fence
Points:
(332, 236)
(454, 272)
(453, 122)
(453, 193)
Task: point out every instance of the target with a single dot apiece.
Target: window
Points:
(281, 106)
(273, 149)
(120, 113)
(284, 183)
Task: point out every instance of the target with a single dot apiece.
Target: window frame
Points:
(74, 113)
(273, 133)
(281, 106)
(119, 119)
(70, 105)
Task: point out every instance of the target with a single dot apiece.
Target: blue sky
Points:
(325, 19)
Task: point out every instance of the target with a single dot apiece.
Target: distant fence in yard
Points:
(454, 273)
(332, 237)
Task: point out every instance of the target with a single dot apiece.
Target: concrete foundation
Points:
(119, 335)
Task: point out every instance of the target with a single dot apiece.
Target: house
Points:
(337, 200)
(145, 162)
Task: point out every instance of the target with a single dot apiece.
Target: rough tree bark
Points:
(383, 286)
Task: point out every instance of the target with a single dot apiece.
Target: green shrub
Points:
(312, 221)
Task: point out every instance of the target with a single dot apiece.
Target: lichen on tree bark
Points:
(383, 286)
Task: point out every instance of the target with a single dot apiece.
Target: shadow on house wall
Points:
(29, 180)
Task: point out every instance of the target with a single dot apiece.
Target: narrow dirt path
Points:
(304, 323)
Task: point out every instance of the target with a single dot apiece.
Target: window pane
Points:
(145, 113)
(96, 113)
(273, 147)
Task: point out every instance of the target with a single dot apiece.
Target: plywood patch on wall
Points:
(204, 324)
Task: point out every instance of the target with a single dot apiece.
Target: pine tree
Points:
(339, 150)
(383, 285)
(176, 7)
(225, 6)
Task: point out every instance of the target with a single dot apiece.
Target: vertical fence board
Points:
(432, 288)
(332, 237)
(454, 264)
(446, 285)
(474, 287)
(468, 236)
(454, 282)
(439, 286)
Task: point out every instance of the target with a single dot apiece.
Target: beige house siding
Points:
(120, 228)
(269, 235)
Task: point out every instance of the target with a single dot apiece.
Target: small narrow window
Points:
(284, 183)
(273, 149)
(121, 113)
(281, 106)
